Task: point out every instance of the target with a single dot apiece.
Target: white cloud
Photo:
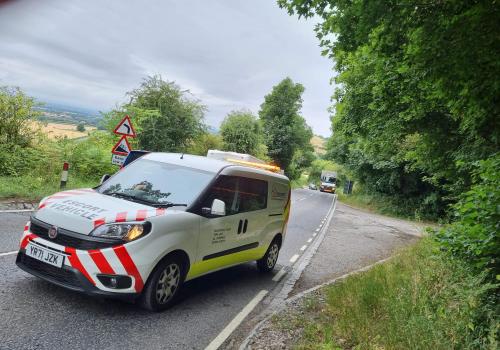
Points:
(229, 54)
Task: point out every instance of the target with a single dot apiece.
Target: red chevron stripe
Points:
(26, 240)
(121, 217)
(99, 222)
(129, 265)
(141, 215)
(101, 262)
(77, 264)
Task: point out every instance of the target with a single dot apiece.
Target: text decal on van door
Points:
(220, 235)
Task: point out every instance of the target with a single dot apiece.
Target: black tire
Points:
(268, 261)
(152, 298)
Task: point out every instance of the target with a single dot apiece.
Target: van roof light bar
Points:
(273, 168)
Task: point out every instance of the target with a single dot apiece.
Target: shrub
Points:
(475, 235)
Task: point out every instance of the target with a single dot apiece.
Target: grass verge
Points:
(380, 204)
(421, 299)
(34, 188)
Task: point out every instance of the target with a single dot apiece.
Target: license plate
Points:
(46, 255)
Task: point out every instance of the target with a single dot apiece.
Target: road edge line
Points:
(236, 321)
(16, 210)
(9, 253)
(281, 298)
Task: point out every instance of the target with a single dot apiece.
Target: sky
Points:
(228, 54)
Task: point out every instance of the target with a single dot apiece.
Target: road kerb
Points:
(281, 297)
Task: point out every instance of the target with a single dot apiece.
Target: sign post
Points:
(122, 148)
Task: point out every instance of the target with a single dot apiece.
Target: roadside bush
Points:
(34, 171)
(89, 158)
(422, 299)
(475, 235)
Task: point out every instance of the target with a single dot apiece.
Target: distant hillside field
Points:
(55, 130)
(319, 144)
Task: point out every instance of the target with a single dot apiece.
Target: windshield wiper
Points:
(145, 201)
(130, 197)
(168, 205)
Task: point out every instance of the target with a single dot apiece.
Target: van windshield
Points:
(330, 180)
(156, 183)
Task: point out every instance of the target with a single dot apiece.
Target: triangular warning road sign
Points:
(125, 127)
(122, 147)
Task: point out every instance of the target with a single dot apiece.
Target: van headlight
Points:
(126, 231)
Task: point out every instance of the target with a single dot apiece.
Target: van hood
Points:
(83, 210)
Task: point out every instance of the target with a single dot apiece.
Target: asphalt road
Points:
(38, 315)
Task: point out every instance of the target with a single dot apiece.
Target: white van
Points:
(163, 219)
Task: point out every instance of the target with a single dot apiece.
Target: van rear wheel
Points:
(268, 261)
(163, 286)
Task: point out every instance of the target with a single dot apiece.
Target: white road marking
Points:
(317, 230)
(16, 210)
(303, 247)
(294, 258)
(309, 240)
(8, 253)
(236, 321)
(279, 275)
(314, 234)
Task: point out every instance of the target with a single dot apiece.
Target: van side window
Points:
(225, 188)
(252, 194)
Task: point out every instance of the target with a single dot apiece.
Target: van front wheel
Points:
(268, 261)
(163, 286)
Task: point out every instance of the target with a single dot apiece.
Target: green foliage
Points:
(80, 127)
(417, 99)
(89, 158)
(16, 115)
(475, 235)
(31, 163)
(203, 143)
(421, 299)
(241, 132)
(166, 118)
(285, 130)
(34, 186)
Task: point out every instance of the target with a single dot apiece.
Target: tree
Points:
(417, 93)
(16, 117)
(80, 127)
(240, 132)
(167, 119)
(285, 130)
(205, 142)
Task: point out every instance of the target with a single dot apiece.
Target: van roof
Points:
(203, 163)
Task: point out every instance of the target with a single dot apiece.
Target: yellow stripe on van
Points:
(202, 267)
(286, 213)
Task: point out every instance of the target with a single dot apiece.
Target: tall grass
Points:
(33, 188)
(421, 299)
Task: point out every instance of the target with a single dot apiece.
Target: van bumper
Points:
(66, 277)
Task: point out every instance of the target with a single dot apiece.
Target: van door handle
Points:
(240, 225)
(245, 226)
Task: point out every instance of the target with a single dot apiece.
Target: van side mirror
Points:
(218, 208)
(104, 178)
